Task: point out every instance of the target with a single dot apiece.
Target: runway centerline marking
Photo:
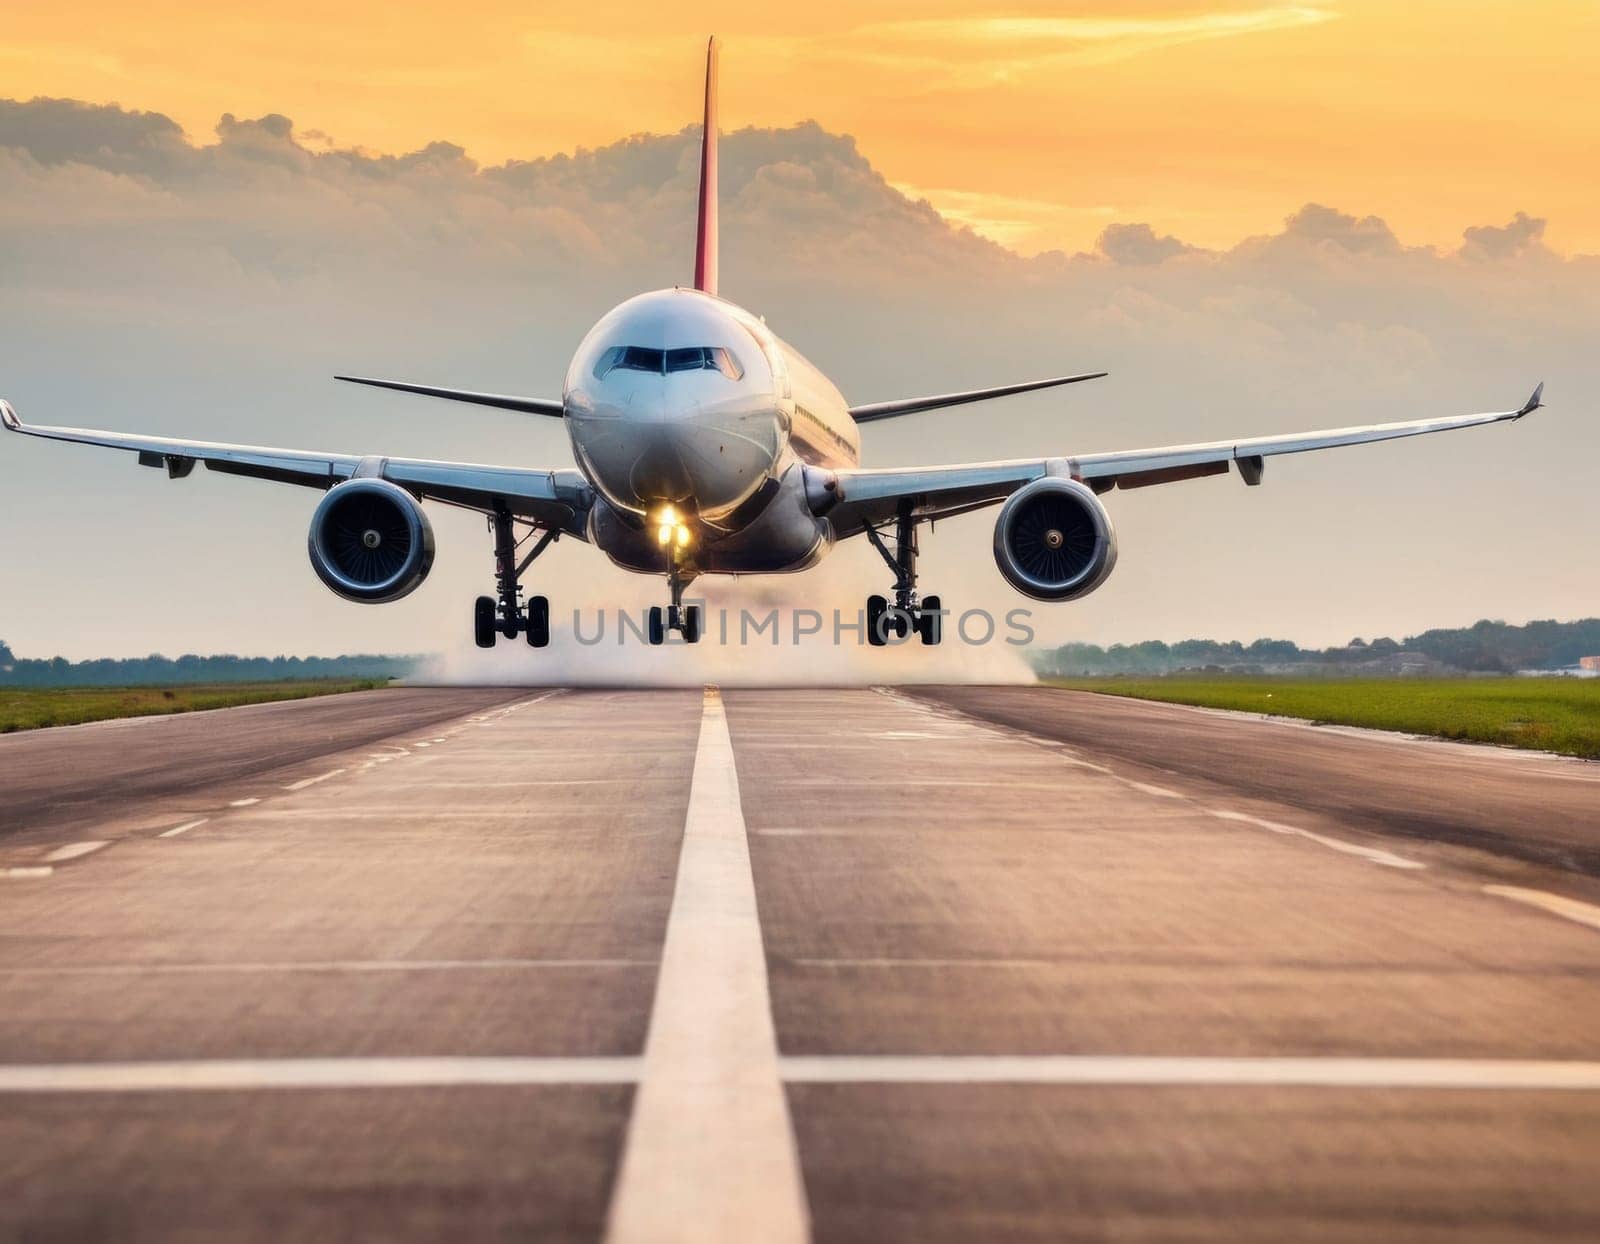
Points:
(711, 1152)
(312, 781)
(310, 1073)
(1417, 1073)
(1375, 854)
(243, 803)
(182, 829)
(74, 851)
(1567, 908)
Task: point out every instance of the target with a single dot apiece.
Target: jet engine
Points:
(1054, 540)
(370, 541)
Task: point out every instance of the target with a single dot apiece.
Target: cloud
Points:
(1137, 244)
(211, 288)
(64, 131)
(1522, 235)
(1316, 225)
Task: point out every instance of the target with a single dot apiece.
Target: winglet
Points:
(8, 416)
(705, 243)
(1533, 403)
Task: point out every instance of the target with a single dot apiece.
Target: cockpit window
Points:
(660, 362)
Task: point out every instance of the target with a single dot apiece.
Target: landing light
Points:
(669, 533)
(669, 530)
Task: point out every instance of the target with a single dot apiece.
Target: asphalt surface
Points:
(1053, 967)
(112, 772)
(1515, 805)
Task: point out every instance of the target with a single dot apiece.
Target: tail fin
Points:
(705, 245)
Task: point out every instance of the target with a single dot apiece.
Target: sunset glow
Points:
(1035, 124)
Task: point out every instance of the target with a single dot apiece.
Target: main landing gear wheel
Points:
(484, 621)
(536, 626)
(905, 615)
(504, 613)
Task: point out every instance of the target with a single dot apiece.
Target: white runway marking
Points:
(325, 965)
(710, 1153)
(310, 1073)
(1387, 858)
(1417, 1073)
(1160, 792)
(1567, 908)
(301, 785)
(243, 803)
(182, 829)
(36, 870)
(73, 851)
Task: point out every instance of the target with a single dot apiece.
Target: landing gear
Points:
(504, 613)
(685, 619)
(905, 614)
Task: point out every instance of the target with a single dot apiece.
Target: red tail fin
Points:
(705, 245)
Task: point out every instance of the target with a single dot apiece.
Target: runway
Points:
(844, 965)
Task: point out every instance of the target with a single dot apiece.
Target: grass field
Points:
(29, 708)
(1548, 714)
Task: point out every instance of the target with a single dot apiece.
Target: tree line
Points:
(1487, 647)
(192, 668)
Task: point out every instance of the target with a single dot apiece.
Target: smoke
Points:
(817, 663)
(753, 636)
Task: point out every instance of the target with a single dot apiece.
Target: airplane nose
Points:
(662, 458)
(710, 461)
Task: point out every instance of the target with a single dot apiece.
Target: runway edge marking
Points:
(1374, 855)
(1567, 908)
(710, 1152)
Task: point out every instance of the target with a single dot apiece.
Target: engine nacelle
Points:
(1054, 540)
(370, 541)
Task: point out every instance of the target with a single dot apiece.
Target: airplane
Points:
(707, 445)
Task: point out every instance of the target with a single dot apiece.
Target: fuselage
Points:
(680, 402)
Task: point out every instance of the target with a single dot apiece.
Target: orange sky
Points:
(1036, 123)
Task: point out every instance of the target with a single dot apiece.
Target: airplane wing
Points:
(912, 405)
(867, 497)
(554, 499)
(505, 401)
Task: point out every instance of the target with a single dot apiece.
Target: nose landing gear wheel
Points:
(685, 619)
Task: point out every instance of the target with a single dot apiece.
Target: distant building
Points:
(1589, 663)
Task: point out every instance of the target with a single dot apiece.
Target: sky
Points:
(1258, 219)
(1037, 123)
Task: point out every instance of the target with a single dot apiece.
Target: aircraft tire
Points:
(538, 627)
(483, 621)
(877, 633)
